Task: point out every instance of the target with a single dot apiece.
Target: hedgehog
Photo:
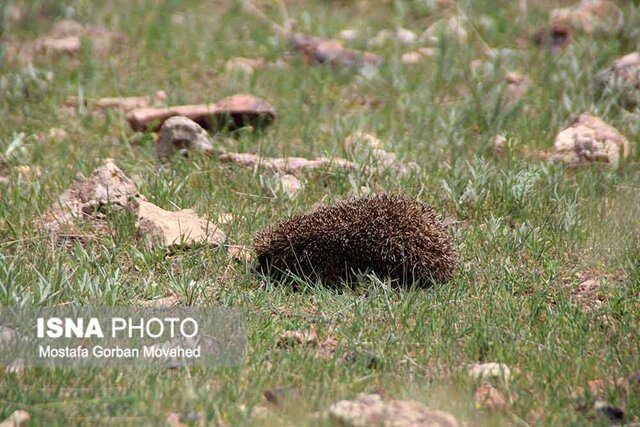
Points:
(389, 235)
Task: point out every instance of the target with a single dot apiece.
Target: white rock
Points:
(489, 370)
(181, 134)
(371, 410)
(161, 228)
(590, 140)
(411, 58)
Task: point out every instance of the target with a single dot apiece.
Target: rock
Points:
(371, 410)
(490, 398)
(57, 134)
(557, 37)
(282, 395)
(411, 58)
(623, 78)
(349, 34)
(587, 294)
(589, 16)
(290, 165)
(485, 371)
(289, 339)
(183, 135)
(517, 87)
(160, 228)
(64, 39)
(499, 144)
(173, 420)
(240, 253)
(404, 36)
(236, 111)
(317, 50)
(590, 140)
(107, 186)
(327, 348)
(164, 302)
(290, 185)
(125, 104)
(244, 65)
(66, 45)
(428, 52)
(19, 418)
(362, 140)
(453, 27)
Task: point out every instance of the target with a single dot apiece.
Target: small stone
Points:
(590, 140)
(349, 34)
(490, 398)
(453, 27)
(623, 78)
(160, 228)
(57, 134)
(371, 410)
(481, 371)
(240, 254)
(517, 86)
(244, 65)
(182, 135)
(289, 339)
(586, 294)
(411, 58)
(173, 420)
(290, 185)
(360, 139)
(589, 16)
(428, 52)
(499, 144)
(18, 418)
(404, 36)
(226, 218)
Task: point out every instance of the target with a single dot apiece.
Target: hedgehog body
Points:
(392, 236)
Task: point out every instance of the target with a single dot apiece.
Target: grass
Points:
(524, 229)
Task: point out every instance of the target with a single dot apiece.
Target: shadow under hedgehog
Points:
(392, 236)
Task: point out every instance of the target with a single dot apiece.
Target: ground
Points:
(529, 233)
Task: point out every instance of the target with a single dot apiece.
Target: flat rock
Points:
(623, 77)
(590, 140)
(371, 410)
(286, 165)
(107, 185)
(181, 134)
(240, 110)
(160, 228)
